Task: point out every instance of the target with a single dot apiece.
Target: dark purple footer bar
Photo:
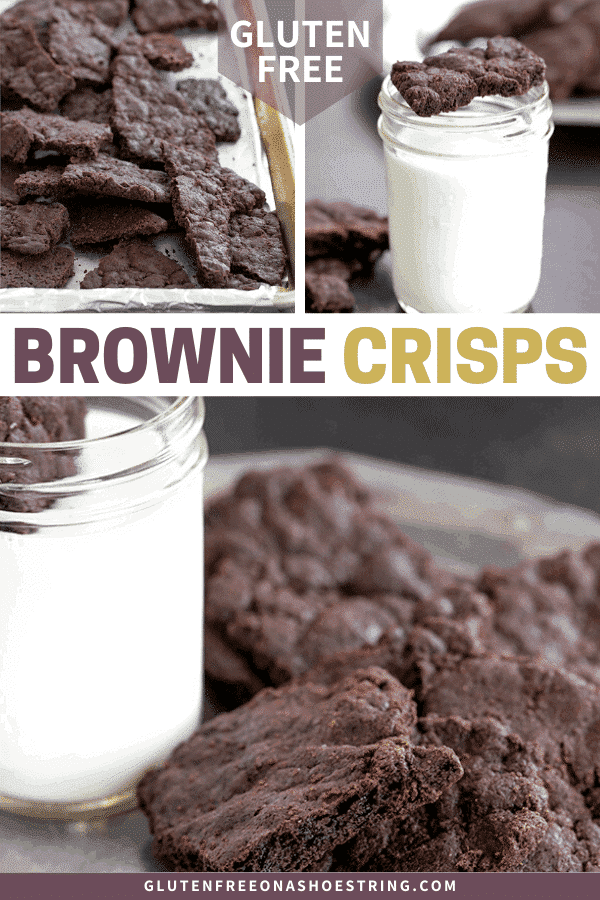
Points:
(485, 886)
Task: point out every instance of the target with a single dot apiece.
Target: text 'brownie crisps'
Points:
(465, 134)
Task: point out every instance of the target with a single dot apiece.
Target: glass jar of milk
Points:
(466, 194)
(101, 612)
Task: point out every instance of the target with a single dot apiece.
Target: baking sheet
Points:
(251, 156)
(464, 522)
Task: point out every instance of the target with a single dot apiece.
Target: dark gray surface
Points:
(344, 160)
(546, 444)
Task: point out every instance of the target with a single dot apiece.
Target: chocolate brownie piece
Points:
(146, 114)
(167, 15)
(545, 609)
(163, 51)
(29, 71)
(332, 266)
(491, 17)
(134, 263)
(548, 610)
(301, 565)
(445, 82)
(47, 270)
(234, 681)
(527, 737)
(348, 232)
(208, 98)
(109, 176)
(326, 284)
(204, 203)
(493, 819)
(278, 784)
(328, 294)
(25, 420)
(26, 130)
(39, 420)
(589, 15)
(96, 222)
(33, 228)
(39, 12)
(556, 717)
(80, 43)
(86, 103)
(8, 175)
(257, 249)
(570, 52)
(39, 182)
(111, 12)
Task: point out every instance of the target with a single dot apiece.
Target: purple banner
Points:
(301, 56)
(491, 886)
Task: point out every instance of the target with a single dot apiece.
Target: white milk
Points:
(101, 641)
(466, 195)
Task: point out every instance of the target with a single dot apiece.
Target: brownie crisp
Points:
(446, 82)
(26, 130)
(40, 12)
(39, 182)
(547, 609)
(168, 15)
(107, 175)
(134, 263)
(257, 249)
(80, 43)
(110, 220)
(29, 71)
(46, 270)
(33, 228)
(209, 99)
(301, 565)
(204, 202)
(86, 103)
(8, 175)
(570, 52)
(163, 51)
(39, 420)
(353, 234)
(487, 18)
(146, 114)
(278, 784)
(328, 293)
(556, 722)
(528, 738)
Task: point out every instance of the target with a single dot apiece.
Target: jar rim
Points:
(166, 415)
(468, 118)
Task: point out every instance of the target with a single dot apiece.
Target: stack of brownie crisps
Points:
(341, 241)
(98, 152)
(389, 716)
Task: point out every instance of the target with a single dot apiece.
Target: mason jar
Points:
(101, 612)
(466, 194)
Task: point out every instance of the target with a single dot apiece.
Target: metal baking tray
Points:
(464, 522)
(264, 154)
